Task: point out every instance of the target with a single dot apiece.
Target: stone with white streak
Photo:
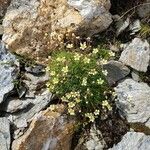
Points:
(136, 55)
(133, 102)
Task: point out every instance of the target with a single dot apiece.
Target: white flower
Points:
(93, 72)
(84, 81)
(65, 69)
(69, 46)
(86, 60)
(83, 46)
(55, 80)
(105, 72)
(52, 73)
(103, 61)
(71, 104)
(71, 112)
(77, 56)
(95, 51)
(96, 112)
(100, 81)
(112, 54)
(90, 116)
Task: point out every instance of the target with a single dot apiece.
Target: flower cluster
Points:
(79, 82)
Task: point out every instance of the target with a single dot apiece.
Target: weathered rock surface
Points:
(134, 104)
(144, 10)
(1, 30)
(49, 130)
(91, 140)
(8, 72)
(116, 71)
(12, 106)
(35, 27)
(5, 138)
(3, 6)
(137, 55)
(36, 104)
(133, 140)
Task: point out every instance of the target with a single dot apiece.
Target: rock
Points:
(133, 140)
(12, 106)
(1, 30)
(135, 75)
(116, 71)
(3, 7)
(121, 25)
(135, 27)
(144, 10)
(136, 55)
(133, 103)
(5, 138)
(91, 141)
(36, 27)
(8, 72)
(49, 130)
(36, 104)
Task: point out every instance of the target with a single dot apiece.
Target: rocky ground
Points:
(30, 30)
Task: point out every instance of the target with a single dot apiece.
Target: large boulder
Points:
(36, 27)
(49, 130)
(136, 54)
(133, 102)
(133, 140)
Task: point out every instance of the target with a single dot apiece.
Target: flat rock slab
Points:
(116, 71)
(133, 102)
(5, 138)
(133, 141)
(48, 130)
(136, 55)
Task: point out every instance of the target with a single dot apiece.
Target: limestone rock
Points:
(5, 138)
(8, 72)
(137, 55)
(91, 141)
(134, 104)
(49, 130)
(116, 71)
(133, 140)
(36, 27)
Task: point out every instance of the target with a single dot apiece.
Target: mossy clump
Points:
(79, 80)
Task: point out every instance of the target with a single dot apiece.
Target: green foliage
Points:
(79, 80)
(145, 30)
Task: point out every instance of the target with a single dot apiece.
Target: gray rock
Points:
(91, 141)
(5, 138)
(137, 55)
(37, 104)
(1, 29)
(135, 75)
(121, 25)
(133, 102)
(135, 27)
(116, 71)
(8, 72)
(133, 141)
(144, 10)
(14, 105)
